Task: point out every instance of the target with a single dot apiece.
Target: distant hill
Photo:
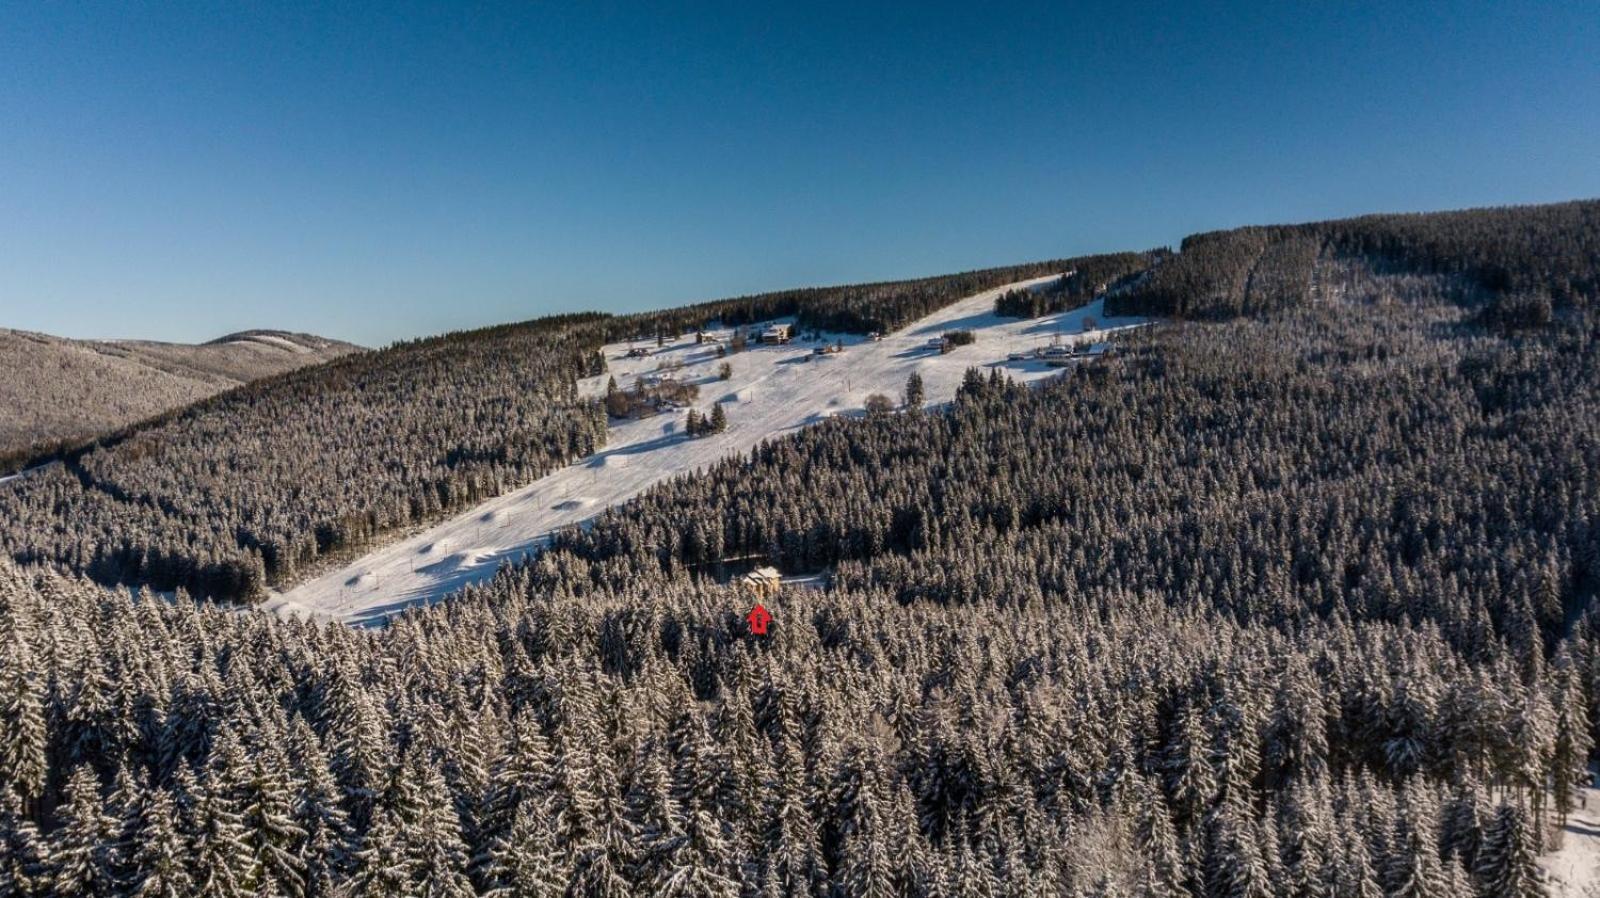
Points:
(57, 391)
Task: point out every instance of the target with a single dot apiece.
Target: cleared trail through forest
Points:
(1574, 868)
(773, 389)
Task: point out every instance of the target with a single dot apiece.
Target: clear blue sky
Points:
(385, 170)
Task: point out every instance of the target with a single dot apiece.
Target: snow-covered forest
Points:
(259, 485)
(1294, 599)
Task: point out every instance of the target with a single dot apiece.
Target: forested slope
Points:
(57, 393)
(252, 485)
(1519, 255)
(257, 486)
(1375, 460)
(1081, 281)
(852, 308)
(1293, 605)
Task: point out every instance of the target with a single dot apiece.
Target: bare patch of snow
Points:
(1573, 869)
(271, 340)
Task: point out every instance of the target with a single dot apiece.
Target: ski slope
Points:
(774, 389)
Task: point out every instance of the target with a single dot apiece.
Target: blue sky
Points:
(386, 170)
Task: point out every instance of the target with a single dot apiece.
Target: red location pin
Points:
(758, 618)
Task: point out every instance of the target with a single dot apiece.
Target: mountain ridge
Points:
(63, 391)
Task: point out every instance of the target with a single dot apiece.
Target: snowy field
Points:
(774, 389)
(1573, 871)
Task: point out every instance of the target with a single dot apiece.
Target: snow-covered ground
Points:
(773, 389)
(1574, 868)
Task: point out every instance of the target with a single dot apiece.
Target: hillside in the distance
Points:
(59, 391)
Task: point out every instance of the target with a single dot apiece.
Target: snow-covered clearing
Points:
(1574, 868)
(271, 340)
(773, 389)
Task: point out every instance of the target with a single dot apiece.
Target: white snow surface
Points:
(273, 340)
(1573, 870)
(773, 390)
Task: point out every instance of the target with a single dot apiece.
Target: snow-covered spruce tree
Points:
(161, 861)
(1574, 733)
(520, 784)
(438, 858)
(863, 850)
(328, 843)
(524, 863)
(1506, 865)
(23, 735)
(383, 866)
(225, 862)
(1158, 840)
(915, 391)
(272, 836)
(1235, 867)
(1354, 875)
(82, 850)
(1413, 870)
(24, 868)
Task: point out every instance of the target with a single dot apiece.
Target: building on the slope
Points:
(763, 581)
(778, 333)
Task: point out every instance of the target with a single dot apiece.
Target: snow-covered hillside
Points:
(773, 389)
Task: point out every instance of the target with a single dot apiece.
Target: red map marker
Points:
(758, 618)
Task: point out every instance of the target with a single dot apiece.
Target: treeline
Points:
(250, 487)
(1225, 273)
(854, 308)
(1552, 251)
(1085, 278)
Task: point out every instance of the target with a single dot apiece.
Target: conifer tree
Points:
(328, 843)
(223, 862)
(1235, 867)
(383, 867)
(1158, 840)
(439, 859)
(525, 862)
(161, 859)
(24, 871)
(1507, 866)
(83, 861)
(22, 726)
(914, 391)
(271, 834)
(1354, 875)
(1413, 869)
